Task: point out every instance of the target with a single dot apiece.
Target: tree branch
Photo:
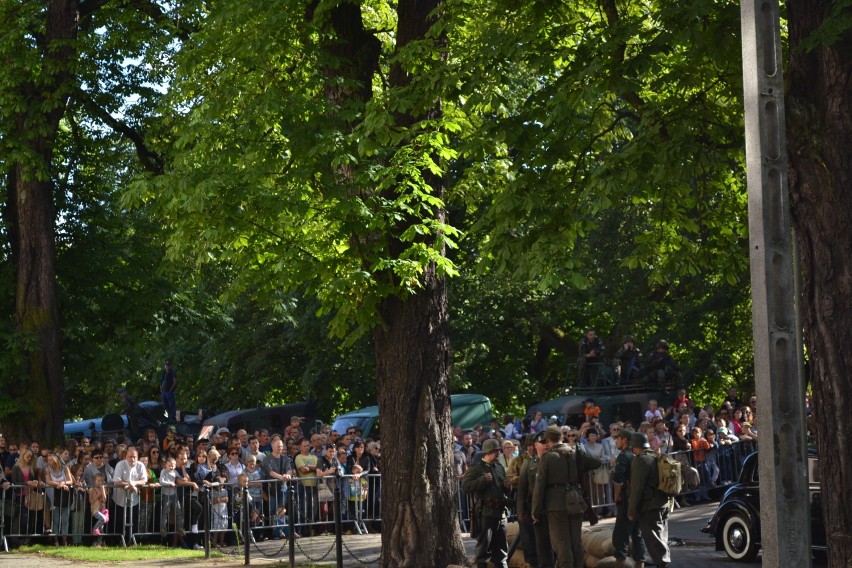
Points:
(149, 159)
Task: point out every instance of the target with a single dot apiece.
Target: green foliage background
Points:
(592, 157)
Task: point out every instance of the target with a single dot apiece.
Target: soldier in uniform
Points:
(544, 551)
(523, 500)
(485, 482)
(647, 503)
(625, 529)
(557, 473)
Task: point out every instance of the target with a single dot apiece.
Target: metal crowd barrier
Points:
(301, 507)
(720, 467)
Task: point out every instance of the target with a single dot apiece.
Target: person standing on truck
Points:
(591, 353)
(168, 384)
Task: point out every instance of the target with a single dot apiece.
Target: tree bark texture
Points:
(419, 494)
(819, 140)
(30, 207)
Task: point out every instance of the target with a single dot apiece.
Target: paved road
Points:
(697, 550)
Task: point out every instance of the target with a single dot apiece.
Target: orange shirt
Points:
(593, 412)
(699, 449)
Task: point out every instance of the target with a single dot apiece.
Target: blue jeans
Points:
(169, 403)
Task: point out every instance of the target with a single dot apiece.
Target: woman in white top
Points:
(234, 466)
(599, 477)
(507, 455)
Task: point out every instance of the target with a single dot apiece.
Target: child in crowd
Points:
(242, 493)
(699, 453)
(653, 411)
(281, 523)
(253, 483)
(357, 491)
(170, 503)
(78, 503)
(591, 411)
(98, 504)
(219, 513)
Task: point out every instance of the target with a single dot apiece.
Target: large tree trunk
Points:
(819, 139)
(419, 505)
(419, 494)
(31, 217)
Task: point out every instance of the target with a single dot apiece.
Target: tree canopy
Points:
(274, 197)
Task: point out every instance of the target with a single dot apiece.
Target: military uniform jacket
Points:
(621, 473)
(558, 470)
(489, 494)
(526, 483)
(644, 495)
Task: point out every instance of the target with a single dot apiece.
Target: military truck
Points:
(616, 403)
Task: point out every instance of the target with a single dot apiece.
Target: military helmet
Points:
(639, 440)
(490, 445)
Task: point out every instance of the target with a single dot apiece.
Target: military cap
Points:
(624, 433)
(490, 445)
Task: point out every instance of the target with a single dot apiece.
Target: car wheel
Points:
(738, 539)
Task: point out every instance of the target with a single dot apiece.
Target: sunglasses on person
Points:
(234, 454)
(570, 435)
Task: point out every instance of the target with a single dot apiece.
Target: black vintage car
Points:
(736, 523)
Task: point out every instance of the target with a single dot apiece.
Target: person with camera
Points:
(485, 481)
(628, 360)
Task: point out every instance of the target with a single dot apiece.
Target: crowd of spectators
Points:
(82, 489)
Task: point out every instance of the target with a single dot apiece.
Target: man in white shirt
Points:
(129, 475)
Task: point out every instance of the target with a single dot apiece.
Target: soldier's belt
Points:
(565, 485)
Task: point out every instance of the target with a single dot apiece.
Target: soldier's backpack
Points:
(669, 475)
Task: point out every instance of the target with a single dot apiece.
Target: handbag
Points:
(324, 494)
(601, 475)
(35, 499)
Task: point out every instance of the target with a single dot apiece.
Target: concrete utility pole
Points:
(784, 498)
